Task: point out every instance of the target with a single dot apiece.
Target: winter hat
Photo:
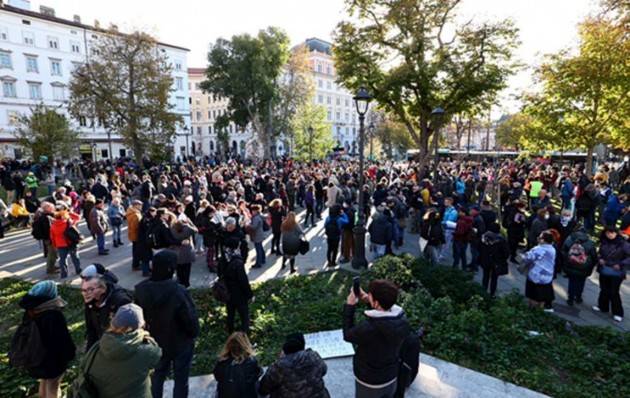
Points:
(293, 343)
(128, 316)
(47, 289)
(164, 262)
(92, 270)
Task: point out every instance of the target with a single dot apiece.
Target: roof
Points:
(319, 45)
(51, 18)
(196, 71)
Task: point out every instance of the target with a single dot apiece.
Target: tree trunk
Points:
(589, 161)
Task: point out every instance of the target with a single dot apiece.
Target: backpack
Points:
(577, 255)
(408, 361)
(37, 230)
(73, 235)
(332, 228)
(27, 349)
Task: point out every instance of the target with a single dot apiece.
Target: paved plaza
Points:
(21, 257)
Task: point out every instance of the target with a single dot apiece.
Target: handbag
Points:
(83, 386)
(611, 272)
(304, 246)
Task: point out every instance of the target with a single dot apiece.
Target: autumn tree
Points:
(46, 132)
(312, 135)
(126, 84)
(585, 96)
(413, 57)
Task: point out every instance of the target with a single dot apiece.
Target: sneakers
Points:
(617, 318)
(596, 308)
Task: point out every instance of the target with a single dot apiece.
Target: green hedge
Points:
(462, 325)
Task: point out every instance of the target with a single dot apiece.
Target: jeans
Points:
(181, 370)
(609, 294)
(362, 391)
(260, 254)
(448, 238)
(146, 267)
(576, 286)
(319, 206)
(490, 276)
(243, 313)
(474, 254)
(432, 253)
(116, 234)
(459, 253)
(63, 254)
(331, 252)
(100, 242)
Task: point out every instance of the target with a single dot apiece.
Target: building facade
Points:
(39, 51)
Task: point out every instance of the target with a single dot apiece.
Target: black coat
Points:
(56, 339)
(170, 315)
(238, 286)
(494, 253)
(237, 380)
(145, 253)
(97, 318)
(381, 230)
(297, 375)
(163, 235)
(378, 341)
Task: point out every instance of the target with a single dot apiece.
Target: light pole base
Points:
(358, 259)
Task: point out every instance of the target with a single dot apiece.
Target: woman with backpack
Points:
(579, 256)
(49, 348)
(62, 221)
(291, 240)
(237, 371)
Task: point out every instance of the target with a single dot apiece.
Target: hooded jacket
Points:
(377, 343)
(122, 364)
(297, 375)
(97, 318)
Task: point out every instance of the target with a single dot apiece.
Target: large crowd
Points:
(549, 220)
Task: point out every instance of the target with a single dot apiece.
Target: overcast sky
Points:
(545, 25)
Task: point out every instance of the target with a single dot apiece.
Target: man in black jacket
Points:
(232, 270)
(102, 300)
(377, 340)
(172, 320)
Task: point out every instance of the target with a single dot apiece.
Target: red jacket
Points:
(58, 228)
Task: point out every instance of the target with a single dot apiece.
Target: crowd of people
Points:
(547, 220)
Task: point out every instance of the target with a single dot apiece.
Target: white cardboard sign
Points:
(329, 344)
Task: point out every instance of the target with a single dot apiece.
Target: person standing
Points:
(381, 232)
(461, 238)
(232, 271)
(493, 258)
(291, 240)
(183, 232)
(614, 259)
(449, 222)
(41, 231)
(31, 183)
(579, 256)
(333, 226)
(237, 370)
(62, 221)
(431, 231)
(277, 214)
(257, 235)
(120, 363)
(43, 305)
(347, 237)
(115, 214)
(309, 203)
(299, 372)
(541, 262)
(134, 216)
(172, 321)
(99, 226)
(377, 339)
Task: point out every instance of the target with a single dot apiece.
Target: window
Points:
(209, 129)
(319, 68)
(28, 38)
(4, 33)
(198, 116)
(320, 99)
(53, 42)
(198, 130)
(328, 86)
(329, 117)
(104, 153)
(55, 67)
(328, 101)
(214, 114)
(75, 47)
(13, 117)
(58, 92)
(5, 60)
(35, 91)
(178, 65)
(26, 22)
(320, 83)
(181, 103)
(347, 117)
(82, 121)
(179, 83)
(338, 101)
(197, 86)
(337, 116)
(8, 89)
(31, 64)
(328, 70)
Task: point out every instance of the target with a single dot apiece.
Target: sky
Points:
(545, 25)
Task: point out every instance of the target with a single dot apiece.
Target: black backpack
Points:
(332, 228)
(27, 348)
(38, 229)
(73, 235)
(409, 362)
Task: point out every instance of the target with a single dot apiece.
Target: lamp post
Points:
(362, 100)
(310, 143)
(436, 115)
(371, 131)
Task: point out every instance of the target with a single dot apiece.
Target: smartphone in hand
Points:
(356, 287)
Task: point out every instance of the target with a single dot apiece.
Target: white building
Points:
(38, 52)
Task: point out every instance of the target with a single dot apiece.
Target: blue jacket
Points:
(613, 209)
(567, 189)
(450, 214)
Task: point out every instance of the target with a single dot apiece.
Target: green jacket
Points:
(31, 182)
(122, 364)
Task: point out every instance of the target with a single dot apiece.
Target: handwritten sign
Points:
(329, 344)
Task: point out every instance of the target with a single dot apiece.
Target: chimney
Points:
(47, 11)
(97, 24)
(76, 18)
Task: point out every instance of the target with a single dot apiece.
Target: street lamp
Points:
(371, 129)
(310, 143)
(437, 116)
(362, 102)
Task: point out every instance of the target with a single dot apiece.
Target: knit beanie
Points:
(47, 289)
(128, 316)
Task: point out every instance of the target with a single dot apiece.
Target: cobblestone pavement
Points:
(21, 257)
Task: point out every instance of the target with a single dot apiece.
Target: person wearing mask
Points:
(493, 257)
(333, 226)
(61, 222)
(120, 363)
(257, 235)
(579, 256)
(377, 339)
(232, 271)
(292, 235)
(432, 232)
(540, 262)
(613, 261)
(183, 232)
(102, 299)
(115, 214)
(237, 370)
(299, 372)
(171, 320)
(134, 216)
(43, 305)
(99, 226)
